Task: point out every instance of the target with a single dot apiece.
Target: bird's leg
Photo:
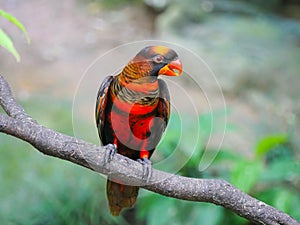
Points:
(147, 165)
(110, 151)
(147, 168)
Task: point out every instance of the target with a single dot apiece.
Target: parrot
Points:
(132, 112)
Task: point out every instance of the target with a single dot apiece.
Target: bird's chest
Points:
(131, 122)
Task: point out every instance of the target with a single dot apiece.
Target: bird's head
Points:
(155, 61)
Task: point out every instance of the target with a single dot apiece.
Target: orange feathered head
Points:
(156, 60)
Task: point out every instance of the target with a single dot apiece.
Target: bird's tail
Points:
(120, 196)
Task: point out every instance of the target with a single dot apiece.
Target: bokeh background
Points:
(253, 48)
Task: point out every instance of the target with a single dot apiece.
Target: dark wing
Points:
(102, 98)
(164, 102)
(162, 115)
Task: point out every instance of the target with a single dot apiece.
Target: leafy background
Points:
(253, 48)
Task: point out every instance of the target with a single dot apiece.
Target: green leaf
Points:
(245, 174)
(16, 22)
(269, 142)
(6, 42)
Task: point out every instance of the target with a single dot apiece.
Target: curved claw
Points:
(110, 151)
(147, 168)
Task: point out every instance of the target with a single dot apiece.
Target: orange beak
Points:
(174, 68)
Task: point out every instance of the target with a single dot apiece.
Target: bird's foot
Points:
(147, 168)
(110, 151)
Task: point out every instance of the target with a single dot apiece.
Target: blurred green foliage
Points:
(37, 189)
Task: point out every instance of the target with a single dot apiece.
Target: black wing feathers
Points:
(100, 110)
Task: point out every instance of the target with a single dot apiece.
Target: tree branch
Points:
(20, 125)
(8, 102)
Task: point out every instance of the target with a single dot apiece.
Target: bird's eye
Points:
(158, 58)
